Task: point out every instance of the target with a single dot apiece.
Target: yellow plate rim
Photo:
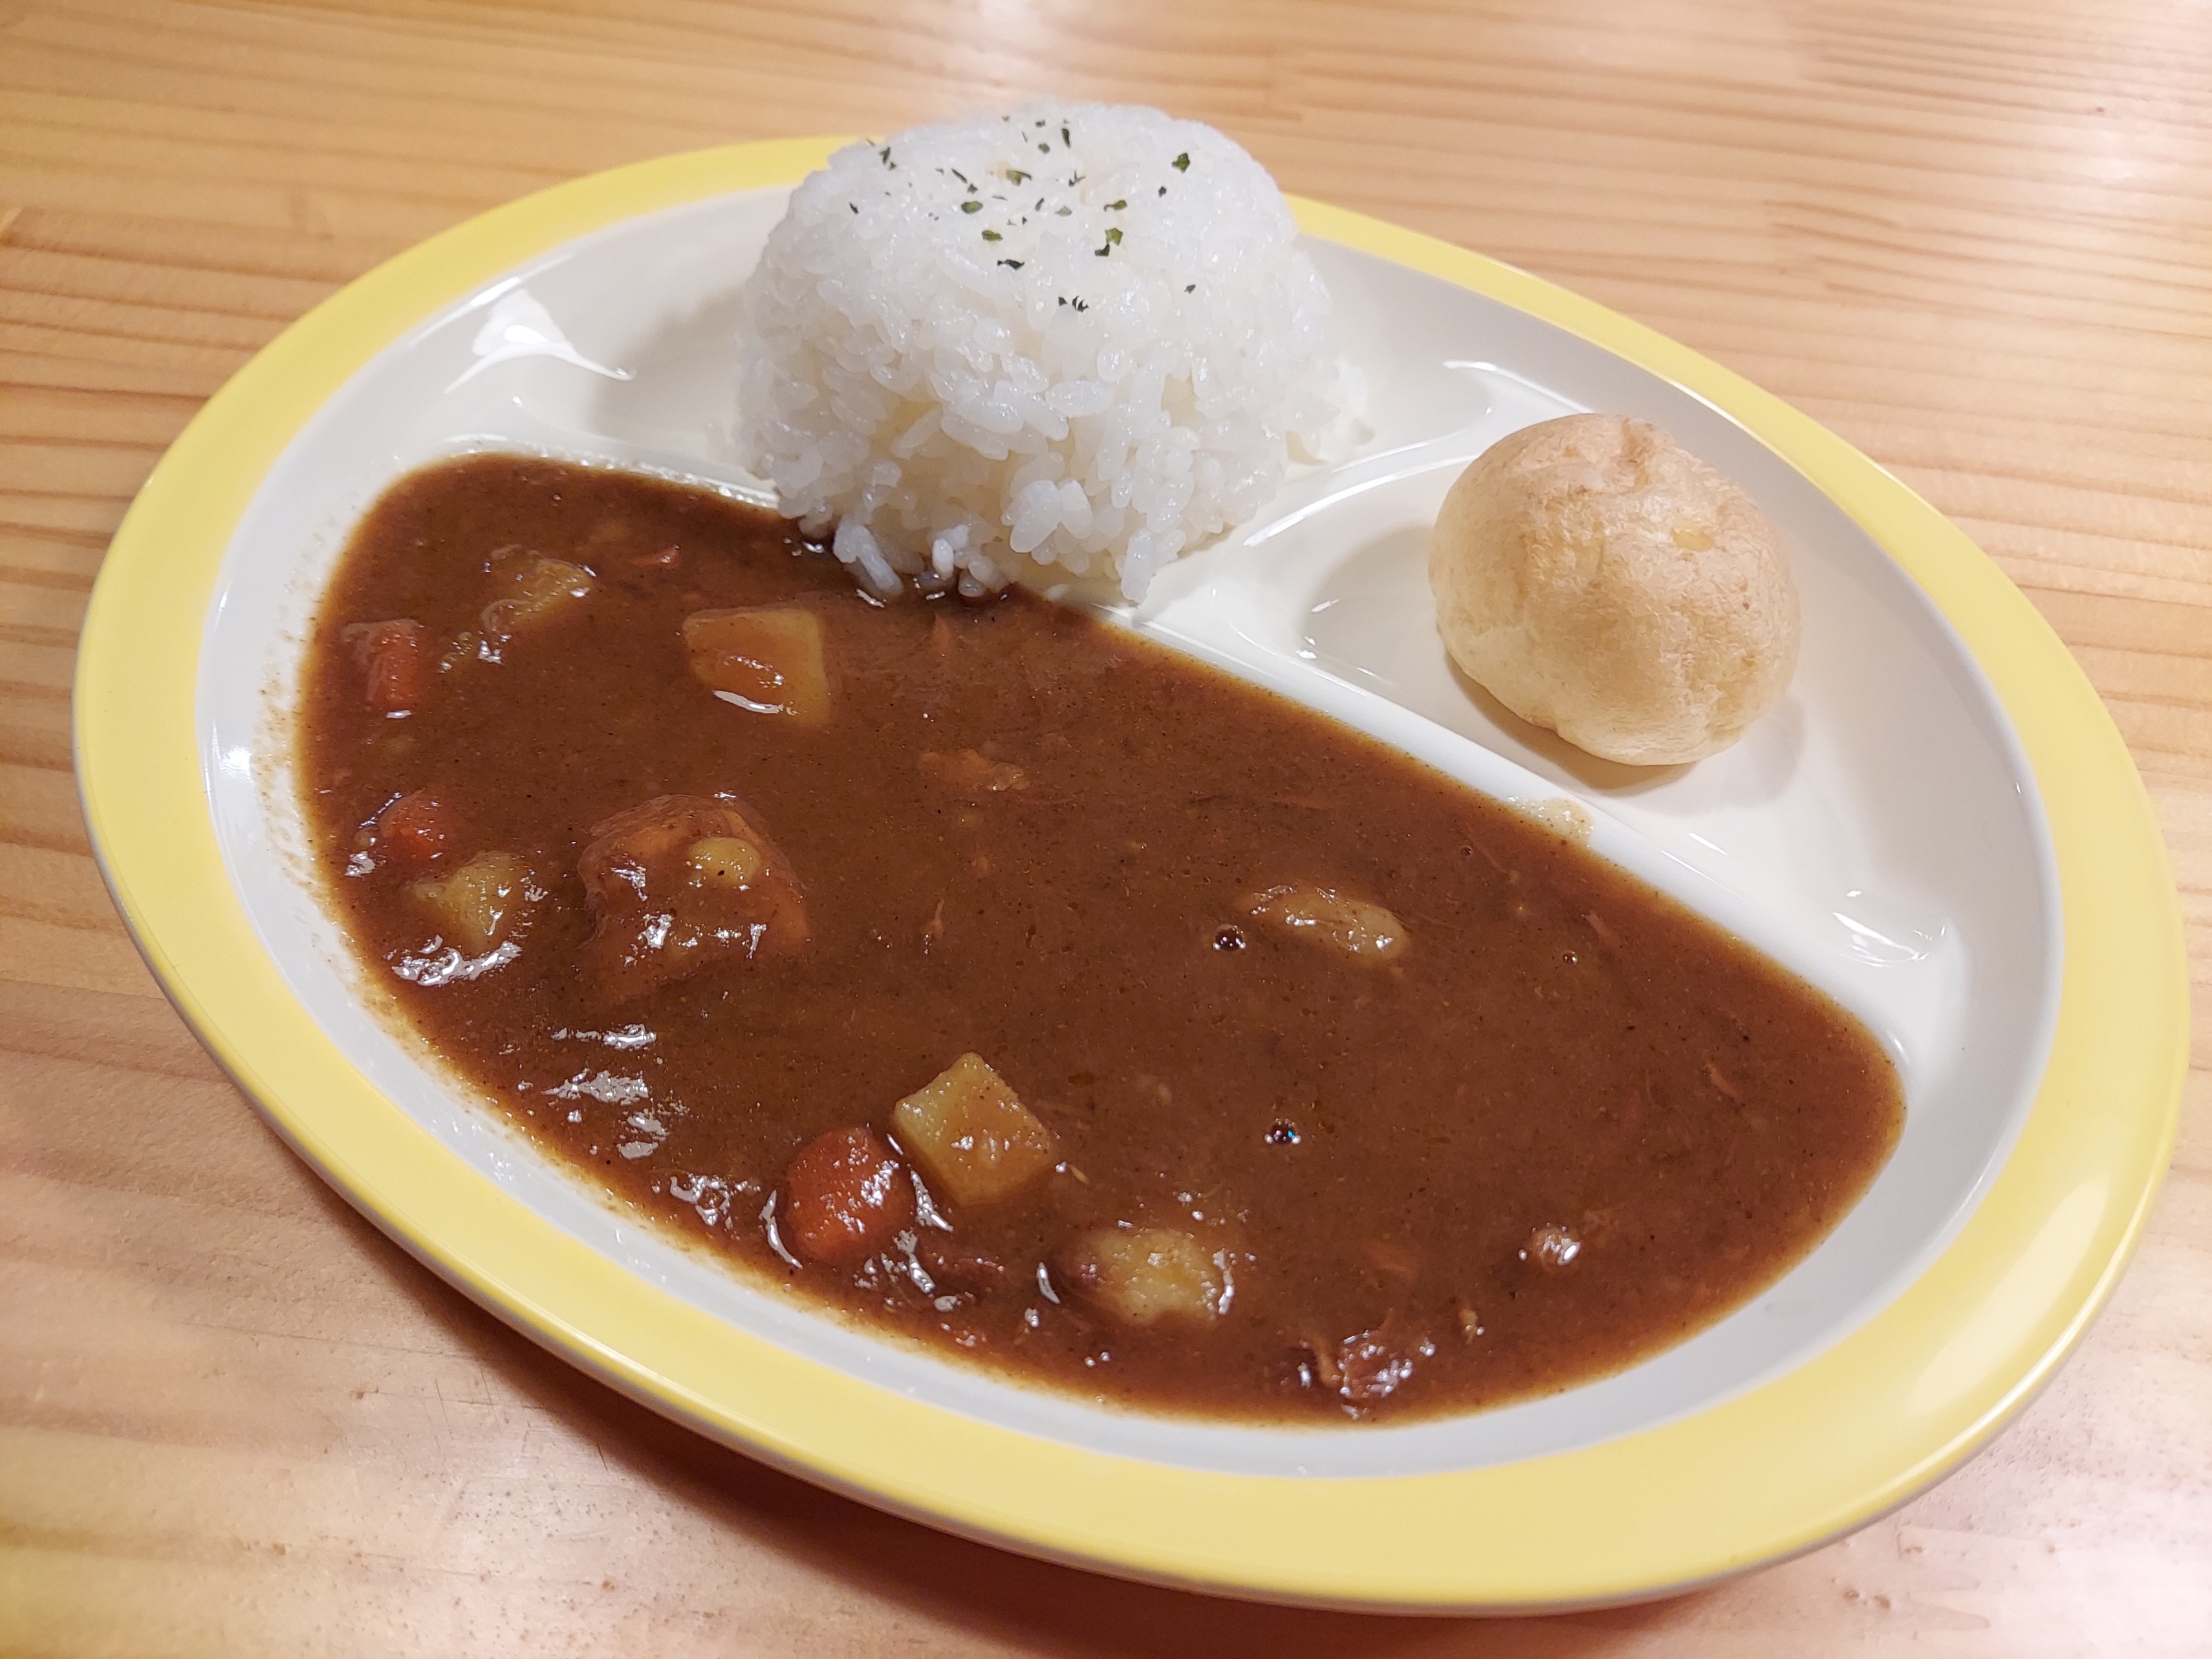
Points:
(1768, 1473)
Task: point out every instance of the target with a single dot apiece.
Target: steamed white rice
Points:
(1079, 335)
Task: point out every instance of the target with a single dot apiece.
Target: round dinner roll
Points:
(1596, 578)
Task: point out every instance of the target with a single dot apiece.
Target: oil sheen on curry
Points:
(997, 979)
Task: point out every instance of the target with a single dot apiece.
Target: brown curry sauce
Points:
(1567, 1124)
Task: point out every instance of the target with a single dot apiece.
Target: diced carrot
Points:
(415, 831)
(844, 1198)
(395, 663)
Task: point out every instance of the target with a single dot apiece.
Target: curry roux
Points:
(1569, 1124)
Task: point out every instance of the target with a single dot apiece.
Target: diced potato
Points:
(975, 1140)
(768, 659)
(970, 773)
(1144, 1275)
(1358, 928)
(478, 906)
(724, 861)
(535, 590)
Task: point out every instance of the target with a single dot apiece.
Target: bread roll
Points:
(1596, 578)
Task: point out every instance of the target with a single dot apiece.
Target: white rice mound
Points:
(1080, 335)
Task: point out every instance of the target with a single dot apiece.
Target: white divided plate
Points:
(1879, 832)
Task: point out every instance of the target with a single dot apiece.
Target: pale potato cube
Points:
(535, 590)
(478, 905)
(1144, 1275)
(975, 1140)
(1354, 926)
(768, 659)
(724, 861)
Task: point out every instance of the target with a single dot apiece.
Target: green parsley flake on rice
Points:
(1077, 335)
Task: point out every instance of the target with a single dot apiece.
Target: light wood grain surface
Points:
(1973, 239)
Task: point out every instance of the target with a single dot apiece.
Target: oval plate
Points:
(2014, 821)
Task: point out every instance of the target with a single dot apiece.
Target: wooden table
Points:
(1975, 240)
